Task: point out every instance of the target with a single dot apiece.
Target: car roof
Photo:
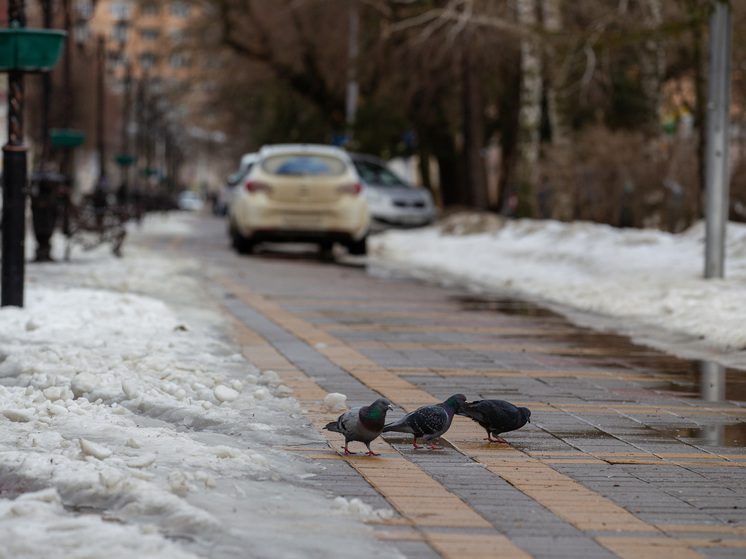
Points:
(322, 149)
(248, 158)
(367, 157)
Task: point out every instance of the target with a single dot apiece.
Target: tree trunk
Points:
(527, 165)
(475, 191)
(551, 19)
(653, 66)
(509, 108)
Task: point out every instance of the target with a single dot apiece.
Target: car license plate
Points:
(303, 221)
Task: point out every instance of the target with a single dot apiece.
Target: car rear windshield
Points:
(296, 165)
(377, 175)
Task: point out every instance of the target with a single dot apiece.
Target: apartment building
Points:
(147, 35)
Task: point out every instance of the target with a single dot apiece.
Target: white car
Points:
(226, 194)
(300, 193)
(190, 201)
(391, 199)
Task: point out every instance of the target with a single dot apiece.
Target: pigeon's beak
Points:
(529, 420)
(389, 407)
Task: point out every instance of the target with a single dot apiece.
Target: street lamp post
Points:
(14, 180)
(45, 183)
(125, 159)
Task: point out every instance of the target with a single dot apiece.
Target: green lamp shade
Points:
(30, 50)
(125, 159)
(150, 172)
(66, 137)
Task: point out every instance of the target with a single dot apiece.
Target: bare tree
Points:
(526, 175)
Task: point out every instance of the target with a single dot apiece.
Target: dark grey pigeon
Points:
(428, 422)
(361, 424)
(496, 416)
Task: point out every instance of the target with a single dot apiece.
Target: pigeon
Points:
(361, 424)
(428, 422)
(496, 416)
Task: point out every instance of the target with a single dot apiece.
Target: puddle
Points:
(705, 380)
(680, 378)
(504, 306)
(733, 435)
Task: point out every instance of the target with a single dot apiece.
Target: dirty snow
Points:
(637, 278)
(130, 424)
(335, 402)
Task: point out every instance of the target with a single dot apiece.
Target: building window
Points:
(84, 9)
(148, 60)
(179, 60)
(120, 10)
(177, 36)
(180, 9)
(116, 58)
(151, 9)
(150, 33)
(119, 31)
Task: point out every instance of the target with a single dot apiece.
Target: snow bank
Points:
(121, 398)
(65, 535)
(643, 276)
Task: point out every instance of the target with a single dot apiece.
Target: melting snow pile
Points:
(117, 406)
(644, 276)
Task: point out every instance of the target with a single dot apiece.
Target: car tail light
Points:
(353, 189)
(253, 186)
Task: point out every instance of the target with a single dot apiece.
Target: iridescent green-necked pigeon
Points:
(496, 416)
(361, 424)
(428, 422)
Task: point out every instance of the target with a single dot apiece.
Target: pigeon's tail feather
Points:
(332, 426)
(470, 409)
(400, 426)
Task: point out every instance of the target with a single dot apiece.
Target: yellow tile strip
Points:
(655, 548)
(465, 545)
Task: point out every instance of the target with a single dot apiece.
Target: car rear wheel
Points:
(241, 243)
(358, 248)
(326, 250)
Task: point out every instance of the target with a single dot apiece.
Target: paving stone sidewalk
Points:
(630, 453)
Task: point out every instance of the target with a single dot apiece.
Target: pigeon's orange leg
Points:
(347, 450)
(414, 443)
(496, 439)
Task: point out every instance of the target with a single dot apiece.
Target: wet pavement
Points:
(630, 453)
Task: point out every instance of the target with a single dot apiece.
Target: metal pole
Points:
(46, 88)
(44, 190)
(101, 116)
(15, 179)
(125, 139)
(718, 114)
(67, 167)
(353, 51)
